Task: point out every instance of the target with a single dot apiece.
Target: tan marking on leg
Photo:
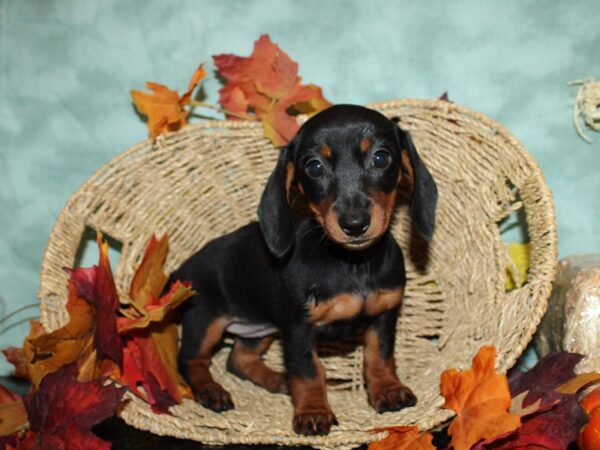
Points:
(383, 300)
(339, 307)
(247, 363)
(385, 390)
(208, 392)
(312, 413)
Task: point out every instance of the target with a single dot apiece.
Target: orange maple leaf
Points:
(481, 399)
(403, 438)
(86, 339)
(47, 352)
(267, 83)
(165, 107)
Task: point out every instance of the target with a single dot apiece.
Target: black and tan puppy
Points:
(333, 275)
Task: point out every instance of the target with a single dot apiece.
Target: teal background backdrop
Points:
(67, 66)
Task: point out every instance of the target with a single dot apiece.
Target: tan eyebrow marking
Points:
(365, 145)
(325, 151)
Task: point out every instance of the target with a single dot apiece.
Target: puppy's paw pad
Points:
(214, 397)
(393, 399)
(315, 423)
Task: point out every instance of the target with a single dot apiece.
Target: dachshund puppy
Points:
(335, 274)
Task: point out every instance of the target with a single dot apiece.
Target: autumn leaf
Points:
(156, 309)
(444, 97)
(144, 368)
(89, 339)
(13, 416)
(63, 411)
(403, 438)
(151, 338)
(84, 340)
(560, 417)
(165, 107)
(516, 275)
(7, 395)
(268, 84)
(528, 433)
(549, 373)
(578, 383)
(518, 405)
(481, 399)
(96, 286)
(26, 441)
(145, 303)
(16, 356)
(47, 352)
(553, 429)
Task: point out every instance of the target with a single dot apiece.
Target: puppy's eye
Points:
(382, 159)
(314, 168)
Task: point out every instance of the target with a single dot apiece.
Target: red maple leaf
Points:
(63, 411)
(267, 83)
(144, 368)
(560, 418)
(97, 287)
(150, 339)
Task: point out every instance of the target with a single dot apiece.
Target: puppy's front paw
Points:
(213, 396)
(392, 398)
(314, 423)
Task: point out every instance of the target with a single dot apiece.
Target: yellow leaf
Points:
(519, 253)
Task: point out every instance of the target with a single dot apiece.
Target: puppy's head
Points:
(348, 162)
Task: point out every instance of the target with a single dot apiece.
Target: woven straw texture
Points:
(205, 180)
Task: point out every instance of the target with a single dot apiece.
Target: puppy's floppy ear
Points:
(274, 212)
(424, 196)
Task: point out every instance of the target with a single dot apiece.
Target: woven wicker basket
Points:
(206, 179)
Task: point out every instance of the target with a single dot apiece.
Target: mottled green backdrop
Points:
(66, 68)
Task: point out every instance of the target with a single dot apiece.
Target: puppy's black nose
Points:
(355, 224)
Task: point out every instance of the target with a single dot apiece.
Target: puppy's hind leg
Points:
(202, 330)
(245, 361)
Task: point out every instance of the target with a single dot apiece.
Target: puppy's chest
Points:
(352, 304)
